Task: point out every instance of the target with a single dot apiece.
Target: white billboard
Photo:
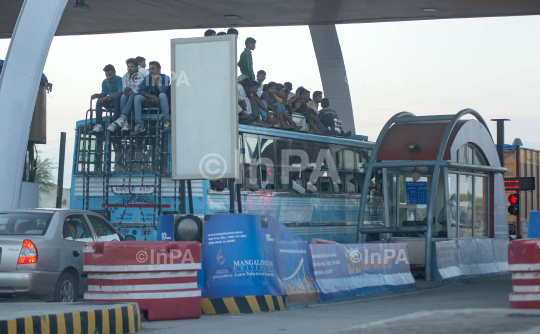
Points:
(203, 108)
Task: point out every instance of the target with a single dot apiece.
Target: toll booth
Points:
(443, 189)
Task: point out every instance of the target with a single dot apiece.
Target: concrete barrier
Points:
(350, 270)
(463, 258)
(81, 318)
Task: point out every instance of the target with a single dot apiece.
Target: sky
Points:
(425, 67)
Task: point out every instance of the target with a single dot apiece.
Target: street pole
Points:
(517, 144)
(60, 182)
(500, 138)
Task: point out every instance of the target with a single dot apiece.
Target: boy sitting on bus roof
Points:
(314, 103)
(152, 93)
(300, 106)
(131, 82)
(111, 90)
(280, 104)
(269, 99)
(249, 115)
(266, 115)
(141, 61)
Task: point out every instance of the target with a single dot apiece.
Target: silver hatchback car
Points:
(41, 251)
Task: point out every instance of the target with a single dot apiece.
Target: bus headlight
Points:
(188, 228)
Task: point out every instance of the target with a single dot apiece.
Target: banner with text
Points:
(351, 270)
(294, 264)
(239, 257)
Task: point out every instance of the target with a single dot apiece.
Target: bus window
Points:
(337, 155)
(348, 159)
(251, 149)
(251, 180)
(296, 160)
(349, 183)
(362, 158)
(325, 185)
(283, 178)
(311, 187)
(281, 145)
(311, 150)
(267, 151)
(267, 177)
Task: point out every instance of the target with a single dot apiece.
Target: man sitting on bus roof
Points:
(130, 84)
(328, 117)
(111, 90)
(152, 94)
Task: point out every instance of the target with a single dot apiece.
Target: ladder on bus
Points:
(120, 155)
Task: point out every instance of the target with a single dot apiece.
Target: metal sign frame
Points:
(202, 67)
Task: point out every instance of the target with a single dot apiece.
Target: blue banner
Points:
(351, 270)
(239, 258)
(295, 265)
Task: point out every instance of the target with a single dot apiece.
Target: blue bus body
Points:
(134, 199)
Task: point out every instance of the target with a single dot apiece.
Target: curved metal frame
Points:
(402, 118)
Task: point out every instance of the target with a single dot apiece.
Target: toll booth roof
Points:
(101, 17)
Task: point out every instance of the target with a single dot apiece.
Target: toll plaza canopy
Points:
(100, 17)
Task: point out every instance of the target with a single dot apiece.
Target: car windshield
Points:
(24, 223)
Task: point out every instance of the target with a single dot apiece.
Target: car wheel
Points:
(66, 289)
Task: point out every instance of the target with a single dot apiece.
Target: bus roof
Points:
(355, 141)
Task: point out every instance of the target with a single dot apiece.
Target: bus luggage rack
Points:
(107, 154)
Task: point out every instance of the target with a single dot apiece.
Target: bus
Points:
(128, 180)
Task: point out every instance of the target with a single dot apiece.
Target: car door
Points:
(102, 229)
(75, 233)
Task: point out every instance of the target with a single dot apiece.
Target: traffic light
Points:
(513, 209)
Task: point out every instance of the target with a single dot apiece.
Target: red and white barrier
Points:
(160, 276)
(524, 263)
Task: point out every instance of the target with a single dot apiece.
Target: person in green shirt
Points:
(246, 60)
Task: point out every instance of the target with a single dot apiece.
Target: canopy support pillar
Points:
(19, 83)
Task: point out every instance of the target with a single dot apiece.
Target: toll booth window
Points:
(478, 158)
(410, 214)
(465, 206)
(480, 206)
(465, 155)
(451, 224)
(468, 205)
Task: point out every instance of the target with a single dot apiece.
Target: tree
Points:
(45, 176)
